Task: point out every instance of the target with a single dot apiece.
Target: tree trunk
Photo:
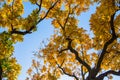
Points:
(0, 72)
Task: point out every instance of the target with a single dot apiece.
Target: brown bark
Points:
(0, 72)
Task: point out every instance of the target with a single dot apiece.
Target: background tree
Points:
(73, 52)
(13, 28)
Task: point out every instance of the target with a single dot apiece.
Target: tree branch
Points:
(66, 20)
(1, 71)
(114, 37)
(77, 55)
(82, 73)
(101, 76)
(14, 31)
(63, 50)
(48, 12)
(20, 32)
(39, 5)
(71, 75)
(67, 17)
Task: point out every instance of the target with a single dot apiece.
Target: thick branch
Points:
(20, 32)
(114, 37)
(71, 75)
(101, 76)
(77, 55)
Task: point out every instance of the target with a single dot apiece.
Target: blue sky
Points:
(24, 50)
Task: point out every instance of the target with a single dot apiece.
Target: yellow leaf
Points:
(43, 69)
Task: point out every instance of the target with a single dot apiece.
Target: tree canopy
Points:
(71, 50)
(13, 28)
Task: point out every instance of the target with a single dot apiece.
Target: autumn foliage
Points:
(73, 52)
(70, 51)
